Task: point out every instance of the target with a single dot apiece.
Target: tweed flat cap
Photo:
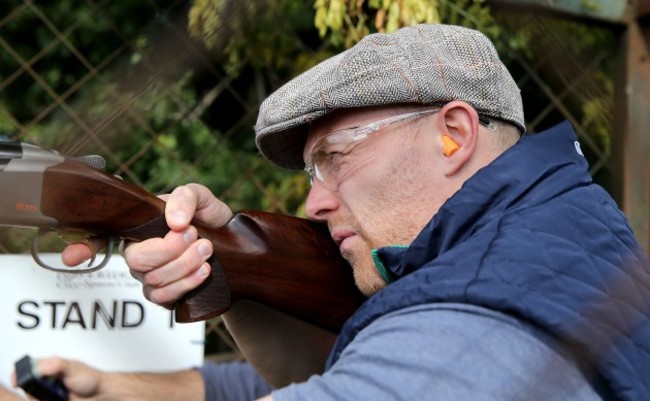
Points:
(426, 64)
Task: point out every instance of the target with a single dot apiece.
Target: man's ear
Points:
(458, 126)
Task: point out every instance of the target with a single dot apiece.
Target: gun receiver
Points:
(287, 263)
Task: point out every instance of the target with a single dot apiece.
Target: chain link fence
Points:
(149, 95)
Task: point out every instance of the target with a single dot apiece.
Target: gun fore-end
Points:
(83, 198)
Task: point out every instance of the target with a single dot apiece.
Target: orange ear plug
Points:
(449, 146)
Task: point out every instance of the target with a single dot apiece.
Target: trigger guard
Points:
(89, 269)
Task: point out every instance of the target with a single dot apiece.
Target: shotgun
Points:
(287, 263)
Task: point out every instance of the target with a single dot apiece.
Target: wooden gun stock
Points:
(287, 263)
(284, 262)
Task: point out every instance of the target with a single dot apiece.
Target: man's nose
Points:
(320, 202)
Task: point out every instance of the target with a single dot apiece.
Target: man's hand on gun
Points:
(170, 267)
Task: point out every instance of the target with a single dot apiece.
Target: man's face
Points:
(380, 190)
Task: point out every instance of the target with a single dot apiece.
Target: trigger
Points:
(109, 252)
(93, 251)
(89, 269)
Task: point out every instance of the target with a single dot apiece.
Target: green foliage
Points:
(593, 121)
(590, 5)
(6, 126)
(348, 21)
(34, 31)
(256, 33)
(473, 14)
(290, 192)
(343, 23)
(589, 95)
(596, 112)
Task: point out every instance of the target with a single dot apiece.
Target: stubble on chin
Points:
(368, 280)
(366, 275)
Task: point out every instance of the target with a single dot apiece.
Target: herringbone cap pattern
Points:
(423, 64)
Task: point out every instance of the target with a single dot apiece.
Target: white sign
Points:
(100, 318)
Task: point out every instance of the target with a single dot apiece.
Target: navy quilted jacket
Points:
(531, 235)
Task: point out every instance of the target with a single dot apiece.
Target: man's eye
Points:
(333, 160)
(338, 153)
(334, 152)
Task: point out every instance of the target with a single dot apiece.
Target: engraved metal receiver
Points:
(22, 168)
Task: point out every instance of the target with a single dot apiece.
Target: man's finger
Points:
(194, 201)
(210, 210)
(171, 293)
(79, 252)
(185, 265)
(180, 208)
(148, 255)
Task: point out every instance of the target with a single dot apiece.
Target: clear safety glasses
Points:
(331, 157)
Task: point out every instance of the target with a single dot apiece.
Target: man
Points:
(495, 268)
